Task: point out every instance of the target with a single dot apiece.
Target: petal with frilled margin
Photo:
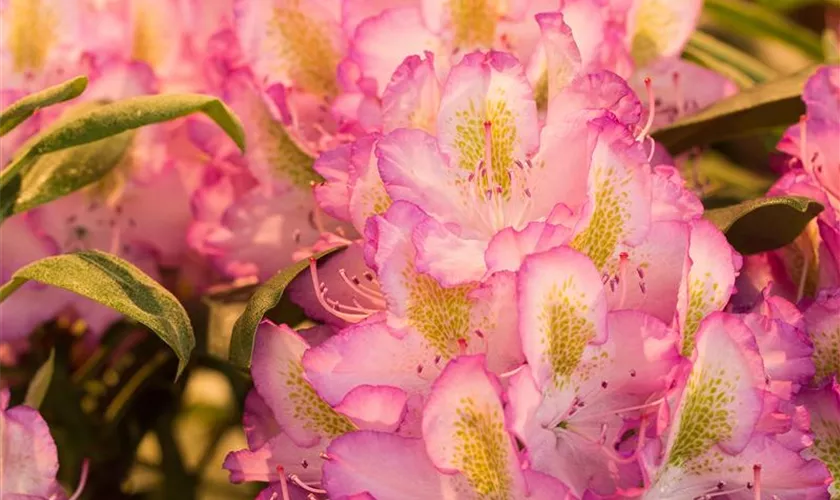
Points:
(719, 405)
(509, 247)
(279, 379)
(381, 43)
(368, 353)
(465, 431)
(562, 57)
(710, 279)
(412, 97)
(383, 465)
(619, 205)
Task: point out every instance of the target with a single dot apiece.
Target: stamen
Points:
(803, 140)
(513, 372)
(295, 479)
(488, 144)
(628, 409)
(651, 111)
(679, 91)
(284, 487)
(757, 481)
(803, 276)
(324, 456)
(82, 480)
(317, 216)
(354, 314)
(369, 293)
(623, 259)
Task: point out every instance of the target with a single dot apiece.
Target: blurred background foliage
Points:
(147, 437)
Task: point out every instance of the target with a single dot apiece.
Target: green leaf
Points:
(728, 59)
(117, 117)
(764, 224)
(58, 174)
(796, 4)
(742, 80)
(117, 284)
(25, 107)
(40, 383)
(756, 20)
(265, 298)
(757, 109)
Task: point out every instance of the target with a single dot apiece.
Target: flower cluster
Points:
(527, 302)
(532, 311)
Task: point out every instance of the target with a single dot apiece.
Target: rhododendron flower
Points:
(465, 450)
(592, 375)
(712, 446)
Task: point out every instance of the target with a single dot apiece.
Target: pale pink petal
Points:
(597, 36)
(377, 408)
(449, 259)
(333, 195)
(509, 247)
(491, 88)
(377, 463)
(650, 276)
(544, 487)
(414, 170)
(353, 12)
(292, 42)
(368, 196)
(412, 96)
(261, 464)
(786, 351)
(670, 199)
(660, 28)
(260, 231)
(595, 93)
(494, 323)
(562, 309)
(618, 209)
(465, 431)
(366, 354)
(709, 283)
(374, 49)
(273, 154)
(565, 153)
(279, 379)
(562, 57)
(258, 421)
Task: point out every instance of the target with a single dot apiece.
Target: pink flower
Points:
(712, 444)
(465, 448)
(591, 376)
